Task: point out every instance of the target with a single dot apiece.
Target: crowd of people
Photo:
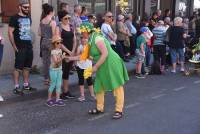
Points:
(76, 41)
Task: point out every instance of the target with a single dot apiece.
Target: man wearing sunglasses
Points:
(19, 33)
(109, 34)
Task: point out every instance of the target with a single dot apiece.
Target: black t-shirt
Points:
(22, 32)
(176, 39)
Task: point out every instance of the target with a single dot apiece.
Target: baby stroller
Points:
(194, 66)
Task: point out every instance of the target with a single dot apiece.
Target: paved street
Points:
(166, 104)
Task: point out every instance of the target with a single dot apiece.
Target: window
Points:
(8, 8)
(94, 6)
(100, 6)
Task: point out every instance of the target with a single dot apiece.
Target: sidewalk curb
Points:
(9, 97)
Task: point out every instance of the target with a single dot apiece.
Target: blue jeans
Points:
(56, 80)
(1, 53)
(174, 52)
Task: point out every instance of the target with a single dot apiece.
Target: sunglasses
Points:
(109, 16)
(58, 43)
(66, 18)
(26, 7)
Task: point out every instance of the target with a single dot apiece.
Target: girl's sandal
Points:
(95, 111)
(117, 115)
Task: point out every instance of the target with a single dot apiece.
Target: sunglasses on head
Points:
(26, 7)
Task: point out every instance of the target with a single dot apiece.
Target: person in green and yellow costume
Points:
(111, 73)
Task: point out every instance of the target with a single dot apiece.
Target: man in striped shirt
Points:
(158, 44)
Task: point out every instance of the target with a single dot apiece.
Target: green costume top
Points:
(112, 73)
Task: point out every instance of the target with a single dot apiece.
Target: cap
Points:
(22, 2)
(120, 17)
(56, 38)
(161, 22)
(144, 29)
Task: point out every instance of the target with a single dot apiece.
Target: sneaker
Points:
(182, 70)
(69, 95)
(60, 103)
(63, 97)
(139, 76)
(18, 91)
(117, 115)
(50, 103)
(173, 71)
(29, 88)
(1, 115)
(81, 98)
(1, 98)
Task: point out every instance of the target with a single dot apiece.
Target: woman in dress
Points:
(111, 73)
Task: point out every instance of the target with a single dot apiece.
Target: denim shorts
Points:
(175, 52)
(139, 56)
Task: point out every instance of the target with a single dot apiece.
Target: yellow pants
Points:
(119, 99)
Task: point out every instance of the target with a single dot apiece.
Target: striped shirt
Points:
(160, 34)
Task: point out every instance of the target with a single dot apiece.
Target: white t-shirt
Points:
(57, 53)
(106, 29)
(83, 64)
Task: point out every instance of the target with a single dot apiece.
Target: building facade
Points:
(139, 7)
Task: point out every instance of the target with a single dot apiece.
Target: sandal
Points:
(95, 111)
(117, 115)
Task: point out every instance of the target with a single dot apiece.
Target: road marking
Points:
(179, 89)
(197, 82)
(158, 96)
(164, 89)
(132, 105)
(52, 132)
(98, 117)
(1, 115)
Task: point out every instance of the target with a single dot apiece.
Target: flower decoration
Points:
(88, 27)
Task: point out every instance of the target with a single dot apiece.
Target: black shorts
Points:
(23, 58)
(81, 77)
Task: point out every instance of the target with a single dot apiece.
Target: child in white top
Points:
(83, 63)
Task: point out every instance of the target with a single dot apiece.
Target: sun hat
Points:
(56, 38)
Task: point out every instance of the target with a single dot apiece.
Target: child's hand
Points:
(94, 69)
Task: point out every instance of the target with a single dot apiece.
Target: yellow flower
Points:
(87, 73)
(97, 30)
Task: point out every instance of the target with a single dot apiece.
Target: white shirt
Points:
(106, 29)
(83, 64)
